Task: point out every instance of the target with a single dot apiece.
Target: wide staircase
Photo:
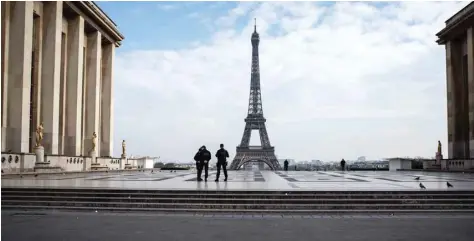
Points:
(255, 202)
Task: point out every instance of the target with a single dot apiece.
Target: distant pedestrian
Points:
(222, 156)
(343, 164)
(202, 158)
(285, 165)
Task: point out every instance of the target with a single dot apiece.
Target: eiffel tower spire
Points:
(255, 26)
(255, 99)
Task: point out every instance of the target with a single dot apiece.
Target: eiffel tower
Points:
(255, 121)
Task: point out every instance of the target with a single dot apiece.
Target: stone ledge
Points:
(436, 170)
(72, 172)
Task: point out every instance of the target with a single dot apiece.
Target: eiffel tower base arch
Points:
(248, 154)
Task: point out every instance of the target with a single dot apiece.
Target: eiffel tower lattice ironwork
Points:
(255, 121)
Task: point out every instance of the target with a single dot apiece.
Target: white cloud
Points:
(338, 81)
(167, 7)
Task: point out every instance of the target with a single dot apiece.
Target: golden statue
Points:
(123, 148)
(439, 147)
(94, 141)
(39, 134)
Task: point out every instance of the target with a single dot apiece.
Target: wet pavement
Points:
(252, 180)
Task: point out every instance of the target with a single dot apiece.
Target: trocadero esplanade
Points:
(57, 69)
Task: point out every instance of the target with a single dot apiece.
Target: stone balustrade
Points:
(25, 162)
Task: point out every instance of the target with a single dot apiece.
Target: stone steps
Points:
(232, 192)
(238, 196)
(198, 206)
(243, 211)
(238, 201)
(167, 200)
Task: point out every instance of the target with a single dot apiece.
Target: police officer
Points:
(202, 158)
(285, 165)
(343, 164)
(222, 155)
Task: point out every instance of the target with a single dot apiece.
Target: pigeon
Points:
(36, 175)
(422, 186)
(417, 178)
(151, 171)
(449, 184)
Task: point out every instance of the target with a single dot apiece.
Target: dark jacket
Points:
(202, 155)
(222, 155)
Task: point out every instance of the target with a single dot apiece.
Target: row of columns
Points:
(460, 91)
(73, 101)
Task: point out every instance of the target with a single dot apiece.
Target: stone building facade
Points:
(458, 39)
(57, 69)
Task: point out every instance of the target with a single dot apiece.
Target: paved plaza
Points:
(251, 180)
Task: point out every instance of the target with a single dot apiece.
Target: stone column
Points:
(5, 59)
(470, 81)
(19, 76)
(50, 76)
(107, 104)
(92, 95)
(75, 58)
(450, 96)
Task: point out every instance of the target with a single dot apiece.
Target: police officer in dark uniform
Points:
(285, 165)
(202, 158)
(222, 155)
(343, 164)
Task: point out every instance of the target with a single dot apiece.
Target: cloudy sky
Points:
(339, 80)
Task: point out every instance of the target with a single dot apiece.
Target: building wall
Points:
(460, 95)
(57, 70)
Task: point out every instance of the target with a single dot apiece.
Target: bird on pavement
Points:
(417, 178)
(422, 186)
(449, 184)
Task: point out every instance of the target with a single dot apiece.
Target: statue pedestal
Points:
(439, 157)
(40, 164)
(93, 155)
(98, 167)
(95, 166)
(39, 152)
(124, 160)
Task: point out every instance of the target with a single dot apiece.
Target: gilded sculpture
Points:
(94, 141)
(439, 148)
(39, 134)
(123, 148)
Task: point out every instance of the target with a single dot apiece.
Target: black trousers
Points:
(286, 168)
(200, 166)
(224, 168)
